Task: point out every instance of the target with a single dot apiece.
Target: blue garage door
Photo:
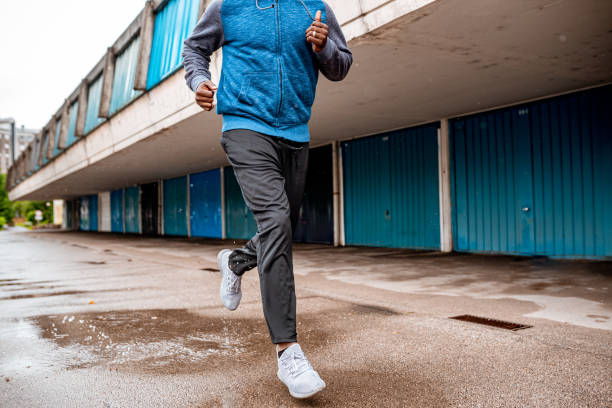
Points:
(93, 213)
(132, 220)
(391, 196)
(535, 179)
(205, 204)
(239, 220)
(175, 206)
(117, 211)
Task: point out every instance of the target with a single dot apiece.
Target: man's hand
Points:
(205, 94)
(317, 33)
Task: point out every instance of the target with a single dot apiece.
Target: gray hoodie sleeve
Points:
(335, 59)
(206, 38)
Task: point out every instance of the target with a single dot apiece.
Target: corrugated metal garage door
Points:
(239, 221)
(535, 179)
(316, 214)
(175, 206)
(148, 208)
(93, 213)
(132, 221)
(117, 211)
(391, 194)
(205, 204)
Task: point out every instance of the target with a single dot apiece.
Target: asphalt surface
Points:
(105, 320)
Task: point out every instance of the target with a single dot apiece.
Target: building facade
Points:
(474, 127)
(23, 137)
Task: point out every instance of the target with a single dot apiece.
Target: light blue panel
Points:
(391, 196)
(175, 206)
(117, 211)
(93, 105)
(58, 128)
(123, 79)
(71, 137)
(535, 179)
(132, 220)
(205, 204)
(93, 212)
(84, 214)
(173, 23)
(45, 144)
(239, 220)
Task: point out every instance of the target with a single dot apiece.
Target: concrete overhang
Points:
(415, 62)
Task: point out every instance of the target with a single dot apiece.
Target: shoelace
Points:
(233, 282)
(296, 363)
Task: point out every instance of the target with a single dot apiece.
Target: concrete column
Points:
(336, 193)
(446, 231)
(107, 83)
(58, 212)
(147, 25)
(51, 143)
(28, 160)
(41, 151)
(82, 111)
(63, 136)
(223, 221)
(38, 156)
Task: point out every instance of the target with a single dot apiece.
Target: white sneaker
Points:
(230, 282)
(297, 374)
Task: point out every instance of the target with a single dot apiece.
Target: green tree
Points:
(7, 209)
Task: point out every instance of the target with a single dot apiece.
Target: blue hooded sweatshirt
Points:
(270, 71)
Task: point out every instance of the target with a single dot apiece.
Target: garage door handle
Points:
(525, 209)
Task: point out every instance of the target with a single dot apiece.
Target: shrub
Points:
(2, 222)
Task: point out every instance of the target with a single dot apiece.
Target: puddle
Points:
(175, 341)
(159, 341)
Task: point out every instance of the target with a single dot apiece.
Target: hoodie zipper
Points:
(280, 64)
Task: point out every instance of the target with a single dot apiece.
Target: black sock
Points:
(280, 353)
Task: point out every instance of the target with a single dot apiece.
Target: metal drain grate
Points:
(492, 322)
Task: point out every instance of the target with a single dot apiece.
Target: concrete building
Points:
(478, 126)
(22, 138)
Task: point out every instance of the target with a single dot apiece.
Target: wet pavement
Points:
(104, 320)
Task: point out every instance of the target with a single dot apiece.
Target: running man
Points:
(273, 51)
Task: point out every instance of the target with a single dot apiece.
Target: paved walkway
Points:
(103, 320)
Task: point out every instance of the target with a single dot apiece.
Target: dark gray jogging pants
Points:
(271, 173)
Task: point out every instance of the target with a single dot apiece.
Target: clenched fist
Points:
(317, 33)
(204, 95)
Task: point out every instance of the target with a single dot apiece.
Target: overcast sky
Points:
(48, 47)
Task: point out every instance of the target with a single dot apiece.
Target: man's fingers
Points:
(319, 24)
(318, 16)
(204, 92)
(319, 28)
(315, 41)
(319, 31)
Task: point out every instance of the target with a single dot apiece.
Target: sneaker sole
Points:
(298, 395)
